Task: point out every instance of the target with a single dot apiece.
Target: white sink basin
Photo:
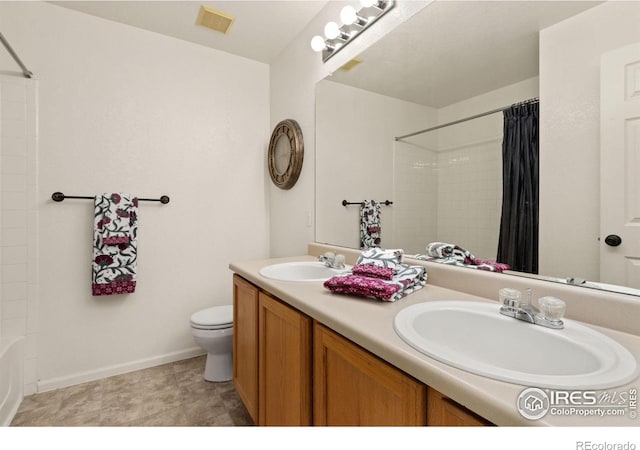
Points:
(300, 271)
(475, 337)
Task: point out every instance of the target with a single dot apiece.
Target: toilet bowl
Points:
(212, 329)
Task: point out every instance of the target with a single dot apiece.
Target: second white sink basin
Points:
(300, 271)
(474, 336)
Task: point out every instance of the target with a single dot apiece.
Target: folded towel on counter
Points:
(444, 250)
(373, 271)
(363, 286)
(369, 224)
(381, 258)
(114, 244)
(405, 280)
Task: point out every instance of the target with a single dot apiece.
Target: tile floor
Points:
(173, 394)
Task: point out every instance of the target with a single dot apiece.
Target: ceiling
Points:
(454, 50)
(448, 52)
(261, 29)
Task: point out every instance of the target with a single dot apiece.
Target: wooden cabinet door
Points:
(353, 387)
(285, 364)
(444, 412)
(245, 343)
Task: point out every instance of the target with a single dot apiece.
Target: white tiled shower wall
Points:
(470, 196)
(18, 217)
(449, 193)
(415, 196)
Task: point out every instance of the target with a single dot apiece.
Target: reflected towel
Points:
(369, 224)
(114, 244)
(492, 266)
(445, 250)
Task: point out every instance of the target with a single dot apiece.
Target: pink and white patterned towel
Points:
(373, 271)
(405, 280)
(114, 244)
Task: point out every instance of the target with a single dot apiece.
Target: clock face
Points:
(286, 153)
(282, 155)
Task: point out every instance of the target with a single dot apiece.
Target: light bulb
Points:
(368, 3)
(331, 30)
(317, 43)
(348, 15)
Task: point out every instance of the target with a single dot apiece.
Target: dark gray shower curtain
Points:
(518, 241)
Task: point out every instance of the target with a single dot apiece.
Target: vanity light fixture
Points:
(353, 23)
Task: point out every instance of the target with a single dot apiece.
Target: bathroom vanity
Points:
(289, 369)
(305, 356)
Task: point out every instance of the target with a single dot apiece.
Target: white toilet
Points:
(212, 329)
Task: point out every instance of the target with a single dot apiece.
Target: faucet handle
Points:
(510, 297)
(552, 308)
(339, 261)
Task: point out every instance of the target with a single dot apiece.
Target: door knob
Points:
(613, 240)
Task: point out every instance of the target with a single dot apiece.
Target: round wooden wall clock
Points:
(286, 152)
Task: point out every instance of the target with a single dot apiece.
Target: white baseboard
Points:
(92, 375)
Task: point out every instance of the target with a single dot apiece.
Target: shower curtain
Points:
(518, 240)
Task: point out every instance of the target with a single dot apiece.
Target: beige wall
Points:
(122, 109)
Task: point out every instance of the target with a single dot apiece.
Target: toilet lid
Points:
(214, 317)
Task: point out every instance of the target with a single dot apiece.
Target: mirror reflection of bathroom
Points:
(447, 180)
(446, 184)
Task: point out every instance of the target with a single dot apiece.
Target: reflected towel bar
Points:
(386, 202)
(59, 196)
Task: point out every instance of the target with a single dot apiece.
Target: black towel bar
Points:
(386, 202)
(59, 196)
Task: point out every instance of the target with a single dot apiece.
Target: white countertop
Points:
(369, 323)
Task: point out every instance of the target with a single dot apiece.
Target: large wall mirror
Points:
(454, 60)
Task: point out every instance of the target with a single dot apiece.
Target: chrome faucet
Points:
(576, 281)
(552, 309)
(332, 260)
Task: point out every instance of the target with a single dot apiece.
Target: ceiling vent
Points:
(214, 19)
(351, 64)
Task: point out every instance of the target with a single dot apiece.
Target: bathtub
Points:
(11, 378)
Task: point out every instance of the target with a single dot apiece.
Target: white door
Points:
(620, 166)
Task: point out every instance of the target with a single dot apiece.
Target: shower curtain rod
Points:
(26, 72)
(531, 100)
